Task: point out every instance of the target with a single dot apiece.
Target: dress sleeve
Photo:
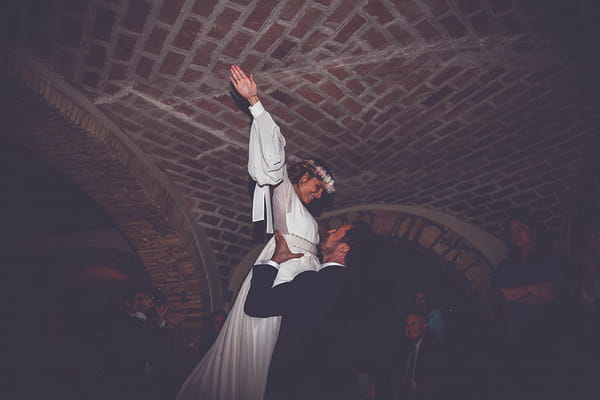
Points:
(266, 161)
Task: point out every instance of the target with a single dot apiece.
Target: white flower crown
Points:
(325, 177)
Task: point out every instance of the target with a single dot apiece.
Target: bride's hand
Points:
(245, 86)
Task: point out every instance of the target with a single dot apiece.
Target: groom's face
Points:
(333, 239)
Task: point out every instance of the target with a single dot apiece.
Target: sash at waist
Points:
(297, 243)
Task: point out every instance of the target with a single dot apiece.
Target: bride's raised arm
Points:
(266, 149)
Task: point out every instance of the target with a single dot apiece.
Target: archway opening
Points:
(396, 272)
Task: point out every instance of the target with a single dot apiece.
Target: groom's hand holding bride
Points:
(282, 251)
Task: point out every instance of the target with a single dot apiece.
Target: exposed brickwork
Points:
(469, 107)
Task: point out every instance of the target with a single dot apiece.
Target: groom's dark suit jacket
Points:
(310, 360)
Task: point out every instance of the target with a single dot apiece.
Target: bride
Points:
(236, 366)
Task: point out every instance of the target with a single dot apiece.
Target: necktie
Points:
(409, 377)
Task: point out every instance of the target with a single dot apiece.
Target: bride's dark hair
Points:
(297, 169)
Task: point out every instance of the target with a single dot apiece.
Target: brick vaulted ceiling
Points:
(470, 107)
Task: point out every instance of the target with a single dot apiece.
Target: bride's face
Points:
(309, 188)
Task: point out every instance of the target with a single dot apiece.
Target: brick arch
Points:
(54, 121)
(473, 252)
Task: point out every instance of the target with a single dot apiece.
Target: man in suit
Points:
(418, 369)
(310, 360)
(138, 349)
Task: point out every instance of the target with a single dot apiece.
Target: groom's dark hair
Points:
(359, 238)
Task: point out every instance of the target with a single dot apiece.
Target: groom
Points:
(309, 360)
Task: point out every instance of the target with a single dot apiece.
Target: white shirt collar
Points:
(139, 315)
(276, 265)
(327, 264)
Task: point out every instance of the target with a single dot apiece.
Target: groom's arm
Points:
(258, 301)
(265, 300)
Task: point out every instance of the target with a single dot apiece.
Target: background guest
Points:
(433, 316)
(139, 349)
(417, 369)
(527, 284)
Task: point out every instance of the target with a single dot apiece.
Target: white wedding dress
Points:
(236, 366)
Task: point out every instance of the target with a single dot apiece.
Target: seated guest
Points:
(417, 368)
